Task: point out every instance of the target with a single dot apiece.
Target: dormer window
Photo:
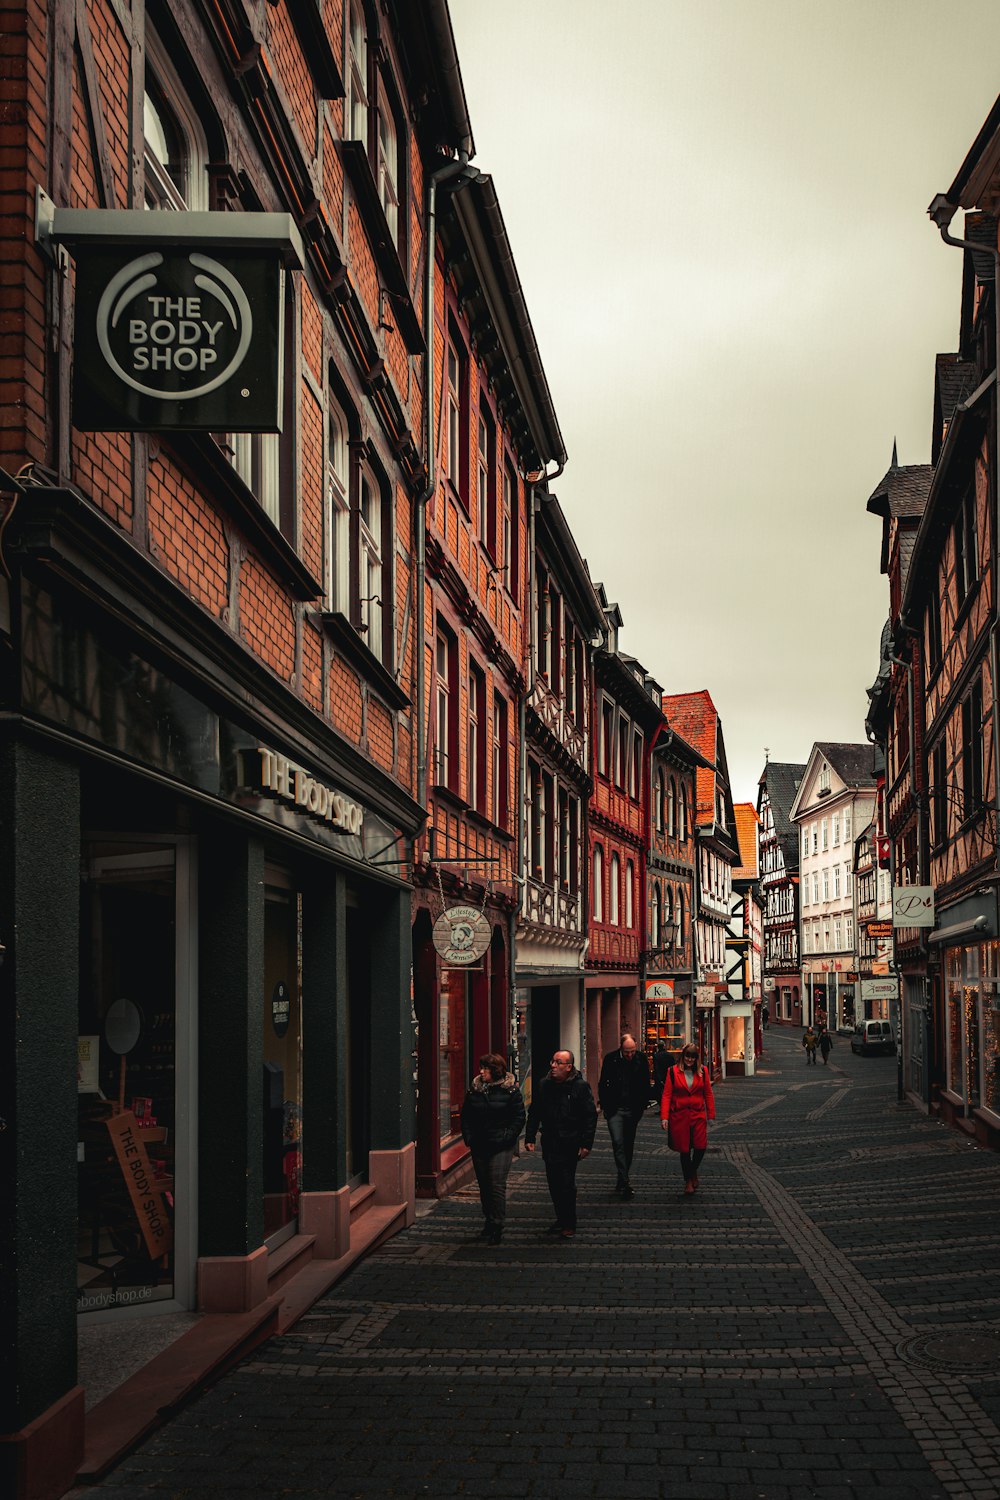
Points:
(824, 780)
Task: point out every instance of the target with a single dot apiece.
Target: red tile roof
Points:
(694, 717)
(747, 823)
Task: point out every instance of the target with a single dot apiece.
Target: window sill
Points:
(446, 794)
(354, 156)
(483, 820)
(202, 459)
(353, 649)
(306, 17)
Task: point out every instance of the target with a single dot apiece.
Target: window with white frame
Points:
(483, 480)
(682, 828)
(848, 931)
(824, 834)
(814, 835)
(824, 778)
(668, 913)
(388, 162)
(501, 761)
(671, 807)
(175, 149)
(445, 707)
(836, 934)
(370, 561)
(805, 892)
(847, 824)
(338, 560)
(826, 883)
(356, 113)
(654, 919)
(836, 880)
(836, 829)
(629, 883)
(456, 414)
(614, 892)
(815, 900)
(805, 843)
(597, 883)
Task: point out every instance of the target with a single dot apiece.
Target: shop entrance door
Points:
(359, 1045)
(282, 1074)
(136, 1077)
(545, 1039)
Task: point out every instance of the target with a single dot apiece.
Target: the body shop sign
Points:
(179, 321)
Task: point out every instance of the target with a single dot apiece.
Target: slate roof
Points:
(747, 823)
(781, 778)
(954, 379)
(852, 763)
(902, 490)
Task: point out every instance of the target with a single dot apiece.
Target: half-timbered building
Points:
(493, 424)
(896, 721)
(779, 883)
(668, 967)
(950, 599)
(625, 715)
(739, 1005)
(565, 618)
(836, 797)
(695, 717)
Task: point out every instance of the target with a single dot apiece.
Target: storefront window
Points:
(126, 1077)
(282, 1080)
(664, 1023)
(455, 1044)
(735, 1038)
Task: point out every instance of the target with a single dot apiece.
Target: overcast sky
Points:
(718, 213)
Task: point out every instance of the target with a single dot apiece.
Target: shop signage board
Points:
(659, 989)
(704, 997)
(913, 906)
(461, 935)
(179, 317)
(879, 989)
(877, 928)
(145, 1194)
(275, 775)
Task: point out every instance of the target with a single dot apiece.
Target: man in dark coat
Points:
(623, 1092)
(564, 1108)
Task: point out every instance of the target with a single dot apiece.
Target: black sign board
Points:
(178, 337)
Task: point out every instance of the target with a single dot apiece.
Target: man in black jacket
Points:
(623, 1092)
(564, 1108)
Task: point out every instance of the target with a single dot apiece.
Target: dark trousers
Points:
(560, 1172)
(491, 1174)
(690, 1162)
(622, 1126)
(810, 1056)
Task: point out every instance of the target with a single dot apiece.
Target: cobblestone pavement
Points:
(821, 1319)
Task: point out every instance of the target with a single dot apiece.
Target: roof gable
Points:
(833, 768)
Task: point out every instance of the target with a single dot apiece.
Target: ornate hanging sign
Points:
(461, 935)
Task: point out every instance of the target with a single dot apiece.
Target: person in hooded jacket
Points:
(686, 1107)
(623, 1092)
(492, 1120)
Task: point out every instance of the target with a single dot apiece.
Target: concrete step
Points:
(362, 1200)
(288, 1260)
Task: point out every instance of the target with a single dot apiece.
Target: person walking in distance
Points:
(810, 1041)
(825, 1044)
(492, 1120)
(563, 1106)
(623, 1092)
(663, 1061)
(686, 1107)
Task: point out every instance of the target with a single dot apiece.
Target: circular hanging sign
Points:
(461, 934)
(280, 1009)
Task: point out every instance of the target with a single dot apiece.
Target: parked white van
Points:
(872, 1036)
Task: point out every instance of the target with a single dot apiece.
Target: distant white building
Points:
(835, 800)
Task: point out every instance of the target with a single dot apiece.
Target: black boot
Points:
(495, 1235)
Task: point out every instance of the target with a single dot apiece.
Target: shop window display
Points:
(664, 1023)
(456, 1041)
(126, 1078)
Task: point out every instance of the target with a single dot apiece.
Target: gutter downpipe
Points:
(443, 174)
(528, 658)
(942, 211)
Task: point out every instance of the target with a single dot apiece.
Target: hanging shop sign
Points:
(179, 318)
(659, 989)
(704, 996)
(877, 928)
(913, 906)
(274, 775)
(879, 989)
(461, 934)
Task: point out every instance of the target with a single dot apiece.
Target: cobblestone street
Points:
(821, 1319)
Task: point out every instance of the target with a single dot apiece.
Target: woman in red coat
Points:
(685, 1110)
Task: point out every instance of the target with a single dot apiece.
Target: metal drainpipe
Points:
(443, 174)
(942, 212)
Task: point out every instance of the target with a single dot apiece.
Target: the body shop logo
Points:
(174, 338)
(162, 342)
